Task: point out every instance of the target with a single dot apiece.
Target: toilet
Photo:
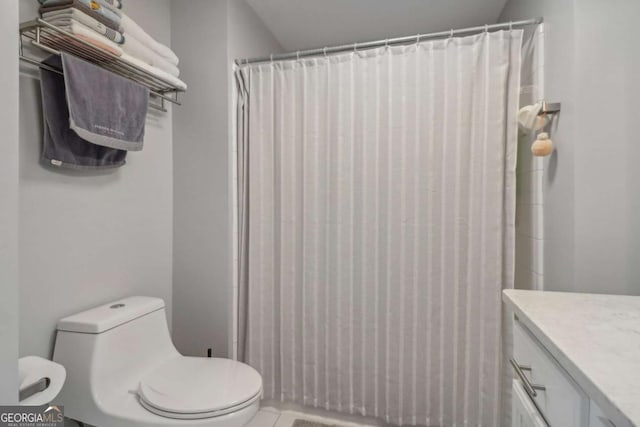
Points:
(123, 370)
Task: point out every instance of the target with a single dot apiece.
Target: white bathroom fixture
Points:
(123, 370)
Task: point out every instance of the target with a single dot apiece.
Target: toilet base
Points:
(132, 414)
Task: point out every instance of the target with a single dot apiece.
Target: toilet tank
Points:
(111, 346)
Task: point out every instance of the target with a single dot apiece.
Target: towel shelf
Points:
(50, 39)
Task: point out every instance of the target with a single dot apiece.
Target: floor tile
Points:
(270, 409)
(288, 417)
(264, 418)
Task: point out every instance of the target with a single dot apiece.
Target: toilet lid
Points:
(199, 387)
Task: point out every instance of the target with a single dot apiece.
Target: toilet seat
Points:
(199, 387)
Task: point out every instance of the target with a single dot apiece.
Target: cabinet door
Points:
(597, 418)
(561, 402)
(524, 413)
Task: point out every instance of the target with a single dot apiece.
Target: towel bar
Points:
(549, 108)
(52, 40)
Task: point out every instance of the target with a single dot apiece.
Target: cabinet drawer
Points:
(561, 402)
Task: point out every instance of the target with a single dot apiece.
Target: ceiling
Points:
(305, 24)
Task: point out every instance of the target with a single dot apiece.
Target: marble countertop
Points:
(595, 338)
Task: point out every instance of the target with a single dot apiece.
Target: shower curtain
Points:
(376, 227)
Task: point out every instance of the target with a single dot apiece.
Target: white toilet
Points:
(123, 370)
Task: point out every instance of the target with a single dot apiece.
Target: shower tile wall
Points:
(529, 271)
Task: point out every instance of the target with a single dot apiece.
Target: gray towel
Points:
(104, 108)
(62, 146)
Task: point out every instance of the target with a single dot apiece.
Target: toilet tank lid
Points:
(108, 316)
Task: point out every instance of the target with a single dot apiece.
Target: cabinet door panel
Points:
(524, 412)
(562, 402)
(597, 418)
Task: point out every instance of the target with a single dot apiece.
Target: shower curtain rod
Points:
(395, 41)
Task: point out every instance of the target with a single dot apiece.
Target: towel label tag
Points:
(56, 162)
(108, 130)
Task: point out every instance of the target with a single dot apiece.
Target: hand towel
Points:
(99, 44)
(130, 27)
(64, 17)
(104, 108)
(90, 7)
(61, 146)
(87, 34)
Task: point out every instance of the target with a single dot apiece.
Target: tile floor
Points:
(269, 416)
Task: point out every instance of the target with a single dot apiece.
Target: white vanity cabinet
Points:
(575, 359)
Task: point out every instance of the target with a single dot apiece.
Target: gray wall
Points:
(201, 255)
(9, 210)
(89, 238)
(202, 293)
(591, 183)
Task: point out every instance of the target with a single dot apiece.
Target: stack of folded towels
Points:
(104, 24)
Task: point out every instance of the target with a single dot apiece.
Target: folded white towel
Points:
(64, 17)
(77, 28)
(135, 48)
(112, 6)
(115, 3)
(174, 81)
(130, 27)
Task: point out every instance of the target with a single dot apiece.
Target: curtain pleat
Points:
(379, 198)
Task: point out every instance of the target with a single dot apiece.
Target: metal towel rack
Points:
(53, 40)
(550, 108)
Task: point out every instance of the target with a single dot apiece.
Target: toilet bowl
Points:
(123, 370)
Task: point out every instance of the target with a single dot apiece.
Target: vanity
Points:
(576, 359)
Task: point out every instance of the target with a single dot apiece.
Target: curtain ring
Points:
(417, 38)
(271, 58)
(324, 50)
(355, 47)
(297, 55)
(486, 28)
(450, 34)
(386, 43)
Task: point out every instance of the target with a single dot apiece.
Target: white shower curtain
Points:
(376, 222)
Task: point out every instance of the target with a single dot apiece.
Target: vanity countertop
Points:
(595, 338)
